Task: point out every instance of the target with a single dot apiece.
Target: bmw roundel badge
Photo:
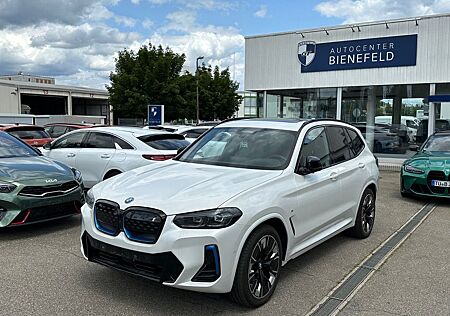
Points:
(129, 200)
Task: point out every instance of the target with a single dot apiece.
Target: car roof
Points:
(136, 131)
(7, 127)
(81, 125)
(285, 124)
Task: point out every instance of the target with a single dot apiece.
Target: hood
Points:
(178, 187)
(34, 170)
(433, 160)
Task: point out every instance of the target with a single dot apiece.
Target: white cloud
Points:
(262, 12)
(222, 46)
(79, 48)
(370, 10)
(147, 24)
(135, 1)
(125, 20)
(183, 21)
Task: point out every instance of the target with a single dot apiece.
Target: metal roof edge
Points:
(346, 26)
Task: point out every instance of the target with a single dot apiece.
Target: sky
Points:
(76, 41)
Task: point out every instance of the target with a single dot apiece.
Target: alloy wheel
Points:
(368, 213)
(263, 266)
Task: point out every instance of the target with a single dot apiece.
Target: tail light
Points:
(158, 157)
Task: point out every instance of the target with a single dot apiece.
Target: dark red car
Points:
(58, 129)
(33, 135)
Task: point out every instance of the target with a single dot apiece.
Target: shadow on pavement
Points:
(39, 229)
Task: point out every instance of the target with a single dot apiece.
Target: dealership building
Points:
(391, 79)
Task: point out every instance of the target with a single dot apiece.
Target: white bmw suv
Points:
(231, 209)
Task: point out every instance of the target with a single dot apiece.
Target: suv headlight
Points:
(217, 218)
(7, 187)
(412, 169)
(77, 175)
(90, 199)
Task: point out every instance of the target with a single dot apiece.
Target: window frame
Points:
(351, 152)
(298, 164)
(83, 139)
(325, 126)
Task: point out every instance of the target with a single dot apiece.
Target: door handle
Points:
(361, 165)
(333, 176)
(105, 156)
(71, 155)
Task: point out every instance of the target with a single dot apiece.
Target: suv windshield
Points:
(30, 133)
(242, 147)
(437, 143)
(12, 147)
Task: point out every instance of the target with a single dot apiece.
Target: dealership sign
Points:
(395, 51)
(155, 115)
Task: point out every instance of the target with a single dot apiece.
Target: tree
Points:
(153, 75)
(148, 76)
(217, 94)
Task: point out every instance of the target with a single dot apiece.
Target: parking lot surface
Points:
(43, 272)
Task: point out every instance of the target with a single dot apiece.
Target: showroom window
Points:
(389, 117)
(302, 103)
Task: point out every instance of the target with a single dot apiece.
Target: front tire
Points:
(365, 219)
(259, 267)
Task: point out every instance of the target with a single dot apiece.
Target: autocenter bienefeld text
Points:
(381, 52)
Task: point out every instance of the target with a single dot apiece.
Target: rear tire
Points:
(258, 270)
(365, 219)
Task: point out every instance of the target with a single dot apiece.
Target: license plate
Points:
(443, 184)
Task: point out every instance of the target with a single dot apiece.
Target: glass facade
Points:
(392, 118)
(249, 104)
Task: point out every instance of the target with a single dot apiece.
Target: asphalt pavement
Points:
(43, 272)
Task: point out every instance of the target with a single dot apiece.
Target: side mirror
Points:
(414, 148)
(313, 164)
(47, 146)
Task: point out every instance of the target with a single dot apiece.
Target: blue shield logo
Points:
(306, 52)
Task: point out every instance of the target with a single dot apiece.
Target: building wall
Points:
(8, 100)
(271, 61)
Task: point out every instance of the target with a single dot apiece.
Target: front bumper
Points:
(20, 210)
(174, 260)
(420, 184)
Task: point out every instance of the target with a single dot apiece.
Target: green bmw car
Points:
(427, 172)
(34, 188)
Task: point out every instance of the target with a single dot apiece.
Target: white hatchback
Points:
(232, 208)
(103, 152)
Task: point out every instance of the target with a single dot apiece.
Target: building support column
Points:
(265, 103)
(19, 101)
(339, 104)
(371, 110)
(110, 120)
(69, 104)
(431, 111)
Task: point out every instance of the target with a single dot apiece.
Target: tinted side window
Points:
(339, 145)
(123, 144)
(355, 141)
(58, 131)
(69, 141)
(100, 140)
(315, 144)
(194, 133)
